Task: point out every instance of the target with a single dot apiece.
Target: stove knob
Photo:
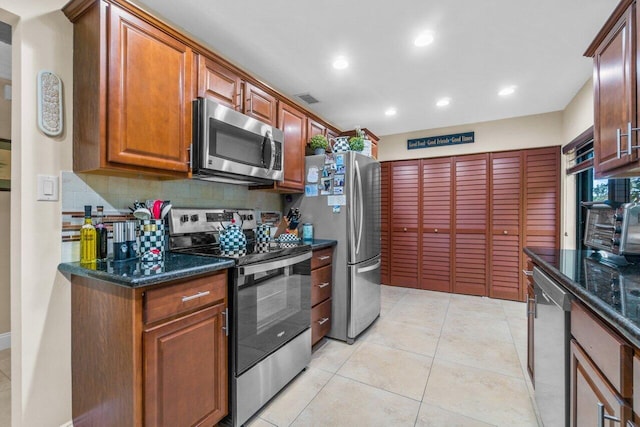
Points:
(618, 217)
(617, 230)
(184, 218)
(615, 242)
(195, 218)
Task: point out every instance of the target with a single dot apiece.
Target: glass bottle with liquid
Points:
(101, 235)
(87, 239)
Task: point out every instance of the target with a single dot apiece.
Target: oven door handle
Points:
(274, 265)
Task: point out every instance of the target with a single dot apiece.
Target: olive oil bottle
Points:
(87, 239)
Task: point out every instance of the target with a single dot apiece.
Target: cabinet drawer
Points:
(321, 284)
(172, 300)
(607, 349)
(321, 257)
(320, 321)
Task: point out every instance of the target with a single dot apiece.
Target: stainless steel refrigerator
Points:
(342, 201)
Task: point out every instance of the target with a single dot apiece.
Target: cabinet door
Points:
(150, 90)
(385, 225)
(471, 224)
(405, 215)
(293, 123)
(183, 386)
(259, 104)
(219, 83)
(506, 203)
(614, 96)
(436, 224)
(314, 128)
(589, 388)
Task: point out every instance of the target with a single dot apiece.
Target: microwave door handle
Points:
(273, 151)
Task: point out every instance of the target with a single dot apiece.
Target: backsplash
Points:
(116, 194)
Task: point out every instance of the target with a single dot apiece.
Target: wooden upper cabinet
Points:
(133, 88)
(315, 128)
(219, 83)
(615, 99)
(259, 104)
(293, 123)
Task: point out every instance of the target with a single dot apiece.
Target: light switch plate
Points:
(48, 188)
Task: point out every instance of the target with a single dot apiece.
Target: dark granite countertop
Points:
(322, 243)
(605, 283)
(135, 274)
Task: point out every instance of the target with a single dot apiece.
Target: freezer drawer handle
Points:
(323, 285)
(323, 321)
(602, 416)
(195, 296)
(371, 267)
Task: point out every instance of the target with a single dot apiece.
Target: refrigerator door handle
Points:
(370, 268)
(361, 207)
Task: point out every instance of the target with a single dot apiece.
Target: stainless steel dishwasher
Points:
(551, 337)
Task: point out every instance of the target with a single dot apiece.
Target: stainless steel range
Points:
(269, 301)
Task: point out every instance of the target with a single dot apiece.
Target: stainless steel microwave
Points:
(229, 146)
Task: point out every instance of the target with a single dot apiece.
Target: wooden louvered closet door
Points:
(541, 199)
(505, 202)
(385, 201)
(436, 224)
(471, 224)
(404, 216)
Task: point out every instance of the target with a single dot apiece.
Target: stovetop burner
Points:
(196, 232)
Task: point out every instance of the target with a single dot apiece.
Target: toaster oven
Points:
(613, 229)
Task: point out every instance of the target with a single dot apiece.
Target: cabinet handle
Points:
(322, 258)
(618, 143)
(602, 416)
(195, 296)
(323, 321)
(527, 273)
(225, 328)
(323, 285)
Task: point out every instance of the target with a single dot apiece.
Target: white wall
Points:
(40, 297)
(539, 130)
(5, 295)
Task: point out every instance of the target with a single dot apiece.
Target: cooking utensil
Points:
(166, 207)
(156, 210)
(142, 213)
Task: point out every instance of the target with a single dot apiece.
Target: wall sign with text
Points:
(438, 141)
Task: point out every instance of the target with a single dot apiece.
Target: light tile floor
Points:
(431, 360)
(5, 388)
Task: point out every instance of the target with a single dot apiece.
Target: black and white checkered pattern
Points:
(233, 241)
(151, 235)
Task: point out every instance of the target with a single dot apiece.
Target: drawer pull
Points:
(323, 321)
(527, 273)
(196, 296)
(323, 285)
(602, 416)
(322, 258)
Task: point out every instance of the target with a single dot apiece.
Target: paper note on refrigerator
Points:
(337, 200)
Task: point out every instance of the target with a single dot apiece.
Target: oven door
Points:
(273, 306)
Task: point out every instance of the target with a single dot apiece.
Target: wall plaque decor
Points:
(438, 141)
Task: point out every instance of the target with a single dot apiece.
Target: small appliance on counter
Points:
(613, 227)
(269, 301)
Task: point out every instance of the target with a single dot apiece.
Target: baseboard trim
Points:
(5, 341)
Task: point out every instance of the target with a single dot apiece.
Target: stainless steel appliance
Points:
(342, 201)
(613, 228)
(229, 146)
(552, 336)
(269, 302)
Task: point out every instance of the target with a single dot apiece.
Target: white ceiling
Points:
(480, 46)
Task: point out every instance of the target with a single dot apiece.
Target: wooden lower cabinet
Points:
(321, 291)
(589, 388)
(155, 356)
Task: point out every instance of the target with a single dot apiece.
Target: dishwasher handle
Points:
(551, 290)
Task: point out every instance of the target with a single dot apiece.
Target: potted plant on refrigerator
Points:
(319, 144)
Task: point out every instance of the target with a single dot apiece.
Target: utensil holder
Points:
(151, 239)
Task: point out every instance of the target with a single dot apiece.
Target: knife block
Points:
(283, 227)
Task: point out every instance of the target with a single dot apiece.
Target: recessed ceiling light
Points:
(340, 63)
(443, 102)
(507, 90)
(424, 39)
(390, 112)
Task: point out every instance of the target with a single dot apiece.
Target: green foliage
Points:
(318, 141)
(356, 143)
